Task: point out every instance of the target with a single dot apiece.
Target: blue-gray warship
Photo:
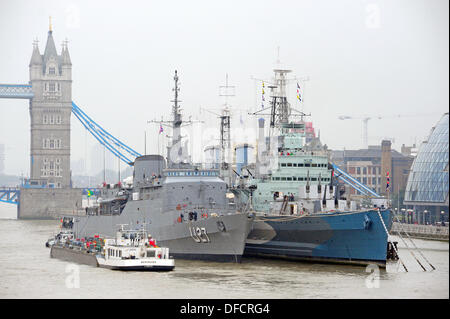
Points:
(292, 188)
(182, 205)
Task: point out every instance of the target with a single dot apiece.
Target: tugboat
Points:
(183, 205)
(64, 233)
(298, 211)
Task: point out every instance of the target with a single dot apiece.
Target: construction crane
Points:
(366, 119)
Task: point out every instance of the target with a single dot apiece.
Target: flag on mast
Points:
(262, 96)
(299, 96)
(387, 181)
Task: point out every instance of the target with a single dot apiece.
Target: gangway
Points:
(353, 182)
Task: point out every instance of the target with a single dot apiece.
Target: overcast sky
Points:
(363, 58)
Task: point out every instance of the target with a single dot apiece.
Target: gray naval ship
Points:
(183, 206)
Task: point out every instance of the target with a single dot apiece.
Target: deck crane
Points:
(366, 119)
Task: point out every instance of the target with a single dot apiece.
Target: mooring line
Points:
(393, 246)
(420, 252)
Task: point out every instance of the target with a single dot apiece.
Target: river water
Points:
(27, 271)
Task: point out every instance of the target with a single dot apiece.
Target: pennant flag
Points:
(387, 181)
(262, 96)
(299, 96)
(160, 129)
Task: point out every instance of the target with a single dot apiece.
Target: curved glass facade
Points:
(428, 180)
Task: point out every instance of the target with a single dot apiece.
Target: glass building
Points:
(427, 189)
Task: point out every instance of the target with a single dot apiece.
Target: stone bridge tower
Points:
(50, 112)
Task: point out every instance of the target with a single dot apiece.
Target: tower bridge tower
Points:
(50, 112)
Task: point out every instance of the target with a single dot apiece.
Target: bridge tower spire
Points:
(50, 112)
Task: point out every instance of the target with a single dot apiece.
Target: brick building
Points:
(369, 166)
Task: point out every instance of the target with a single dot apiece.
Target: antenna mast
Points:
(176, 129)
(225, 130)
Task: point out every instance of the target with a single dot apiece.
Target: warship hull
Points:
(214, 238)
(349, 237)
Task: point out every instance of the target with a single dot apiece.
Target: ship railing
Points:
(421, 229)
(305, 153)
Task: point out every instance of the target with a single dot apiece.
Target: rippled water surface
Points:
(27, 271)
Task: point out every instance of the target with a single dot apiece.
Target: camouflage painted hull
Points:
(348, 237)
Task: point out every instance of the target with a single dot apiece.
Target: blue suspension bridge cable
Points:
(104, 132)
(101, 133)
(88, 126)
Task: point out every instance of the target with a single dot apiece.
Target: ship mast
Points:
(177, 154)
(225, 132)
(280, 107)
(279, 115)
(176, 123)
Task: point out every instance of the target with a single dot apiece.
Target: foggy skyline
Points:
(363, 58)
